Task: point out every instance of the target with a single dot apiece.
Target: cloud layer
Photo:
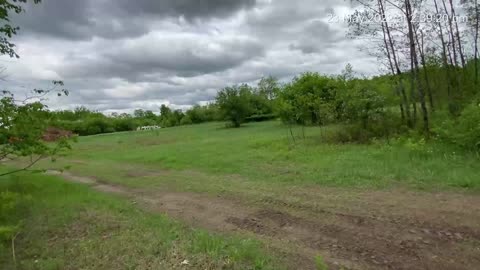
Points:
(123, 55)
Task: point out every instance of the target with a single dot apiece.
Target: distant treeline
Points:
(367, 108)
(84, 122)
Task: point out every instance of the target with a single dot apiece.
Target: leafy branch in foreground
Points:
(22, 127)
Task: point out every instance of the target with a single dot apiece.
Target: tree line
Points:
(241, 104)
(365, 108)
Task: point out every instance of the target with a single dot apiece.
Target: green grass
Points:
(70, 226)
(264, 154)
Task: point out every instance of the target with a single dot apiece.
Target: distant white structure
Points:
(148, 128)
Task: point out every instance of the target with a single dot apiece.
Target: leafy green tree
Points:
(186, 121)
(177, 117)
(308, 99)
(139, 113)
(463, 131)
(363, 104)
(83, 113)
(165, 116)
(22, 128)
(260, 104)
(197, 114)
(165, 111)
(234, 104)
(150, 115)
(23, 122)
(124, 124)
(268, 87)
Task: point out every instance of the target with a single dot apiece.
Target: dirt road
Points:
(351, 230)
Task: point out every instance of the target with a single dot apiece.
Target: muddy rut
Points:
(369, 230)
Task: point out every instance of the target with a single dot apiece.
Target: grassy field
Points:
(241, 184)
(69, 226)
(265, 154)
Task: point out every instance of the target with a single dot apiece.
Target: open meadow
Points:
(208, 197)
(239, 135)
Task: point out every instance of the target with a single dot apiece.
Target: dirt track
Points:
(360, 230)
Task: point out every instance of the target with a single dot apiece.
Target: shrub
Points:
(362, 104)
(124, 124)
(234, 104)
(385, 126)
(349, 134)
(308, 100)
(11, 206)
(463, 131)
(186, 121)
(261, 118)
(197, 115)
(98, 126)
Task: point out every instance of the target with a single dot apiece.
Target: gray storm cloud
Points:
(118, 55)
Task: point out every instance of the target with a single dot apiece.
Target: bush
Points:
(195, 115)
(261, 118)
(463, 131)
(351, 134)
(12, 205)
(96, 126)
(234, 104)
(362, 104)
(186, 121)
(385, 126)
(309, 99)
(124, 124)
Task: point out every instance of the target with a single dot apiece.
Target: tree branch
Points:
(32, 163)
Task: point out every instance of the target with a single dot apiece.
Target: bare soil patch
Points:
(137, 173)
(73, 178)
(351, 230)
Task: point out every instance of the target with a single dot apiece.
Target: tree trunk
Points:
(425, 70)
(390, 61)
(416, 70)
(446, 56)
(397, 67)
(477, 15)
(451, 34)
(457, 34)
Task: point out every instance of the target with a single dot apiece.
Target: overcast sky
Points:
(121, 55)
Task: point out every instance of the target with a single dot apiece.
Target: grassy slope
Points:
(258, 162)
(263, 154)
(69, 226)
